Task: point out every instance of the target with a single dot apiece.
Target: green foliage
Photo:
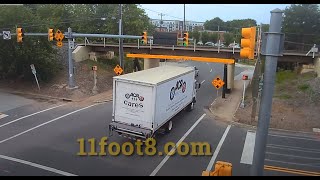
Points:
(303, 87)
(301, 25)
(16, 58)
(213, 37)
(283, 76)
(228, 38)
(205, 37)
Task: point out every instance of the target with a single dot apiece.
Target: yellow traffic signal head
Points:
(50, 34)
(248, 42)
(144, 37)
(185, 39)
(20, 34)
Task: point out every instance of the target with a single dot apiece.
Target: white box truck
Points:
(145, 101)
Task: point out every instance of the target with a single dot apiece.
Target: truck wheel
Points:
(190, 107)
(169, 127)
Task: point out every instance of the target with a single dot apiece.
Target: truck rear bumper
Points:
(129, 131)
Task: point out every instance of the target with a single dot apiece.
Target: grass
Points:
(304, 87)
(284, 96)
(285, 76)
(247, 62)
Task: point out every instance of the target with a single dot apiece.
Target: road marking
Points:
(292, 148)
(248, 148)
(155, 171)
(292, 163)
(211, 70)
(308, 139)
(215, 154)
(293, 171)
(293, 156)
(3, 115)
(55, 119)
(37, 165)
(203, 81)
(316, 130)
(30, 115)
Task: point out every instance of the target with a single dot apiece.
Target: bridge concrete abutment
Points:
(230, 77)
(151, 63)
(317, 66)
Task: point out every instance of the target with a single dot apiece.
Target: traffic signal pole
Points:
(272, 53)
(70, 60)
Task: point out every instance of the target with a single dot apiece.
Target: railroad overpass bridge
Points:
(199, 51)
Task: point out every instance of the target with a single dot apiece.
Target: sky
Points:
(203, 12)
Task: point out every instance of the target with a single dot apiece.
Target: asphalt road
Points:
(42, 139)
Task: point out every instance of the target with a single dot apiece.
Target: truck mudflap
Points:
(131, 132)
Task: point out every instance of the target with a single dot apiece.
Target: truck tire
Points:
(168, 127)
(190, 107)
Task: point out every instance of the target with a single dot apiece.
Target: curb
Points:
(40, 96)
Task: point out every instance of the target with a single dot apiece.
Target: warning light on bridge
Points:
(248, 42)
(20, 34)
(144, 38)
(185, 39)
(50, 34)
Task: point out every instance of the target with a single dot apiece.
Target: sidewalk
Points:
(224, 109)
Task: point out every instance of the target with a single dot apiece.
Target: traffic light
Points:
(20, 34)
(185, 39)
(248, 42)
(50, 34)
(144, 37)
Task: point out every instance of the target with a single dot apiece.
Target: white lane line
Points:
(211, 70)
(55, 119)
(37, 165)
(293, 137)
(215, 154)
(293, 156)
(248, 148)
(299, 164)
(316, 130)
(3, 115)
(293, 148)
(30, 115)
(203, 81)
(155, 171)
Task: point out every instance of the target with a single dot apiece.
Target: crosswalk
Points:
(2, 115)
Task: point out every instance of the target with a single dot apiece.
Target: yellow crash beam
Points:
(186, 58)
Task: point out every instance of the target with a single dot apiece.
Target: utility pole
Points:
(161, 22)
(273, 50)
(120, 39)
(184, 17)
(256, 75)
(71, 83)
(218, 34)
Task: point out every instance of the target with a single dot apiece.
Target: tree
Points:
(228, 38)
(301, 24)
(205, 37)
(196, 35)
(213, 37)
(34, 50)
(213, 24)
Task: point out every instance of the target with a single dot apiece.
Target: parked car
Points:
(200, 43)
(235, 45)
(209, 44)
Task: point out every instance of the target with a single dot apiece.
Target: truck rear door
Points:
(134, 104)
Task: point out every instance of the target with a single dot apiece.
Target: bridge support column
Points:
(317, 66)
(151, 63)
(230, 77)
